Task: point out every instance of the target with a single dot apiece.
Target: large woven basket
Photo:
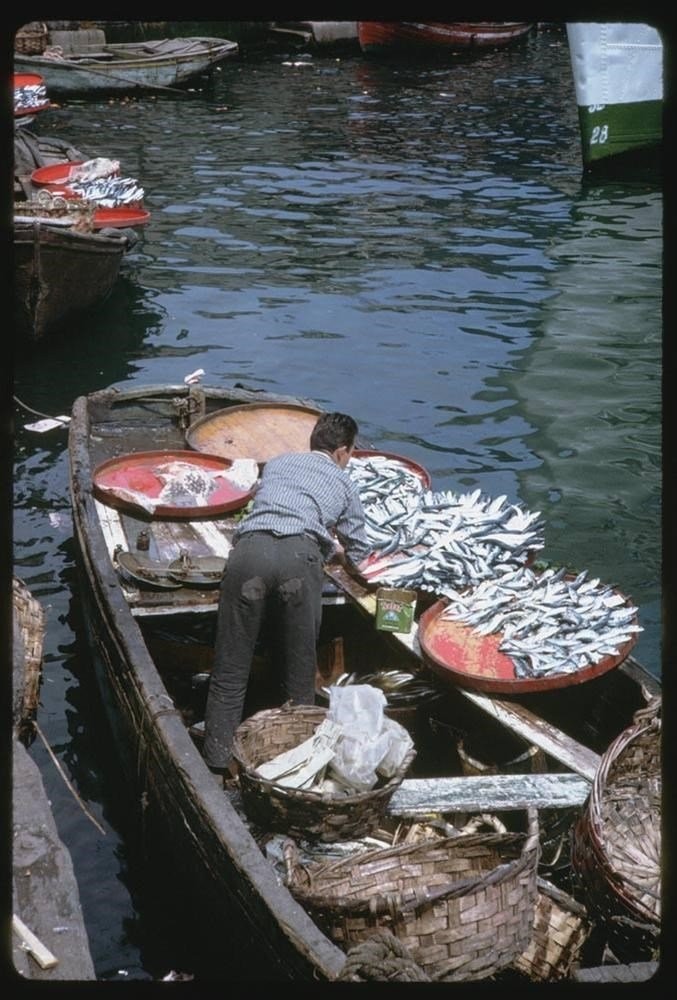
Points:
(616, 845)
(462, 906)
(561, 928)
(302, 813)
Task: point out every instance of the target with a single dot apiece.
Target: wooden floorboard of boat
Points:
(418, 797)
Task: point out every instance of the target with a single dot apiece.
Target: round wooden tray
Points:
(137, 472)
(254, 430)
(460, 655)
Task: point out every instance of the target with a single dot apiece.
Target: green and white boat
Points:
(618, 78)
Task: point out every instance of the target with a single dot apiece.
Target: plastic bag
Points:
(371, 744)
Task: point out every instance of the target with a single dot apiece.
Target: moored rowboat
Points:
(152, 651)
(383, 37)
(95, 67)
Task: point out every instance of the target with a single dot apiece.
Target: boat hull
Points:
(133, 66)
(618, 80)
(220, 882)
(59, 274)
(189, 828)
(382, 37)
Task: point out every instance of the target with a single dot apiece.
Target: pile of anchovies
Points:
(108, 192)
(550, 622)
(427, 540)
(31, 95)
(399, 686)
(473, 550)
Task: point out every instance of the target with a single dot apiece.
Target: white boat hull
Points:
(618, 79)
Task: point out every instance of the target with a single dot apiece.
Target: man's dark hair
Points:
(332, 431)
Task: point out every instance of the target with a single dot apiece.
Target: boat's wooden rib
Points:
(418, 797)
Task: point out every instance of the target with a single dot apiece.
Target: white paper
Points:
(48, 424)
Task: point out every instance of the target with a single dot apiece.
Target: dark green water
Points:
(413, 243)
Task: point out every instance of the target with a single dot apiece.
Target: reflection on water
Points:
(590, 389)
(407, 242)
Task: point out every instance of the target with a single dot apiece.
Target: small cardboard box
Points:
(395, 609)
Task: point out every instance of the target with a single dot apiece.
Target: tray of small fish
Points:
(526, 631)
(59, 174)
(378, 473)
(30, 94)
(430, 541)
(176, 484)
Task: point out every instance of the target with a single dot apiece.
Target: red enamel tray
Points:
(29, 80)
(54, 173)
(139, 472)
(419, 470)
(57, 175)
(458, 654)
(33, 109)
(120, 217)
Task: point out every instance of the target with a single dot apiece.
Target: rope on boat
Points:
(381, 957)
(59, 768)
(37, 413)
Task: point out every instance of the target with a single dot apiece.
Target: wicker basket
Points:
(616, 845)
(299, 812)
(28, 638)
(561, 928)
(463, 906)
(31, 39)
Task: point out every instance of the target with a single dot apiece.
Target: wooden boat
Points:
(618, 79)
(151, 641)
(383, 37)
(70, 65)
(65, 262)
(60, 273)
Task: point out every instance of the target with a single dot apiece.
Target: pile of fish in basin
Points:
(475, 551)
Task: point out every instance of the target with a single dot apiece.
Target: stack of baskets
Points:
(302, 813)
(616, 846)
(463, 906)
(31, 39)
